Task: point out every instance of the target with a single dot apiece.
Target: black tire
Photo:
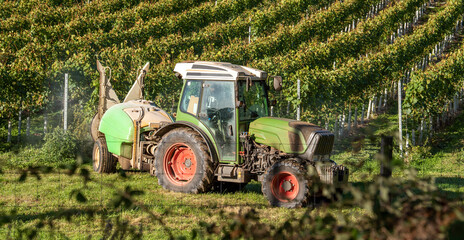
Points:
(228, 187)
(297, 189)
(103, 161)
(94, 127)
(192, 171)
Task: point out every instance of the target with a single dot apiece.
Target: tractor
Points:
(220, 138)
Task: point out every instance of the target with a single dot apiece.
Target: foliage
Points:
(40, 43)
(59, 146)
(357, 76)
(299, 39)
(429, 91)
(318, 26)
(21, 157)
(417, 155)
(342, 46)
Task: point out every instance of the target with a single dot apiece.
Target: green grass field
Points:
(42, 199)
(36, 201)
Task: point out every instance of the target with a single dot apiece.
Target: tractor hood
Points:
(292, 136)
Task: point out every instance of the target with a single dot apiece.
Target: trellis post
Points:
(9, 131)
(400, 122)
(19, 125)
(65, 102)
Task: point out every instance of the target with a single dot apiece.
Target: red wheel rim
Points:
(179, 164)
(285, 186)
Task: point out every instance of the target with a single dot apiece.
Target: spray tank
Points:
(123, 124)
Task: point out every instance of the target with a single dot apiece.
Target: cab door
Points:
(217, 113)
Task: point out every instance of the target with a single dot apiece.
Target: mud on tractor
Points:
(221, 139)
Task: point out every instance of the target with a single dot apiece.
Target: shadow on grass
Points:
(66, 214)
(69, 214)
(361, 185)
(442, 184)
(254, 187)
(452, 195)
(450, 138)
(451, 182)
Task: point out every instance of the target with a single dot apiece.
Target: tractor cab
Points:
(222, 99)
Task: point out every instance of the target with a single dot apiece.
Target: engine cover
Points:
(292, 136)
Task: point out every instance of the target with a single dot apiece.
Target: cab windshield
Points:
(255, 100)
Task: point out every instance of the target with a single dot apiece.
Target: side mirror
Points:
(273, 102)
(277, 83)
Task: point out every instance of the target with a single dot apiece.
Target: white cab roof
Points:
(217, 71)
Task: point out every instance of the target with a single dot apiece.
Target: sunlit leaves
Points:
(429, 91)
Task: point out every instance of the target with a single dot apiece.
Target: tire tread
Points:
(299, 167)
(207, 180)
(107, 161)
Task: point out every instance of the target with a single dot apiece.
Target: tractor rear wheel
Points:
(103, 161)
(94, 127)
(285, 184)
(183, 162)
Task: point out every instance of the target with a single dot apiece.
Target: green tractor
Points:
(221, 139)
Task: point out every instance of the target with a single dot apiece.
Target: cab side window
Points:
(190, 98)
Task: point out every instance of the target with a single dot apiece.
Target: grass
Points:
(35, 200)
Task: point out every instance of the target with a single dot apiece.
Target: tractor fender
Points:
(167, 128)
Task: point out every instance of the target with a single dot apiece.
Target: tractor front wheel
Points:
(103, 161)
(183, 162)
(285, 184)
